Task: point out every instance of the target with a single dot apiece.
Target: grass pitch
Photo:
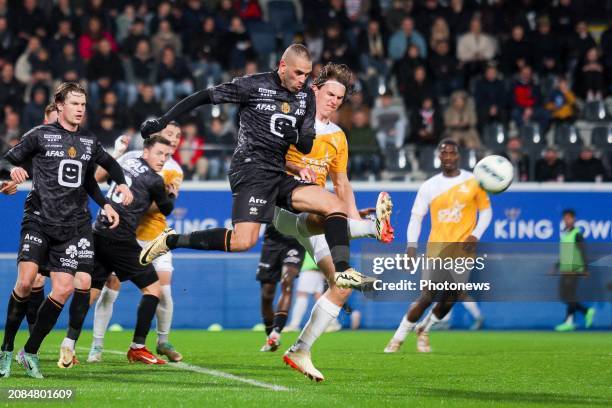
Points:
(465, 369)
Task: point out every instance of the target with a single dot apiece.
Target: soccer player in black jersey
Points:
(276, 110)
(56, 230)
(116, 250)
(280, 261)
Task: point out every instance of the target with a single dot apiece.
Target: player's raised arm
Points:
(106, 161)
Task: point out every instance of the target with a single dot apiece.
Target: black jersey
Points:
(273, 238)
(147, 187)
(60, 161)
(264, 104)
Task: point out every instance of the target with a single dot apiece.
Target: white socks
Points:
(323, 313)
(403, 329)
(430, 320)
(299, 308)
(68, 343)
(361, 229)
(473, 309)
(103, 313)
(164, 311)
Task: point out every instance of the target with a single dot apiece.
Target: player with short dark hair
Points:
(460, 213)
(117, 249)
(56, 229)
(276, 111)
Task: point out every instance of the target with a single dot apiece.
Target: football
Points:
(494, 174)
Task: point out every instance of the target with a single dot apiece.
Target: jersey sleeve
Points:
(159, 196)
(26, 148)
(134, 154)
(236, 91)
(421, 202)
(340, 161)
(482, 200)
(308, 125)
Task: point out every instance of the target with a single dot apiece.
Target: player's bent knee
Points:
(153, 289)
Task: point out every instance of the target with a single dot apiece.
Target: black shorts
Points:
(255, 193)
(57, 248)
(120, 257)
(275, 255)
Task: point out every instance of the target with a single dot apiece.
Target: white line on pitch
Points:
(209, 371)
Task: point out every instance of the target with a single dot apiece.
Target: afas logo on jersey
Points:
(266, 107)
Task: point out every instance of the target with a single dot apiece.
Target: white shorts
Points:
(286, 223)
(163, 263)
(310, 282)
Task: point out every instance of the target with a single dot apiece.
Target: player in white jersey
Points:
(150, 226)
(455, 202)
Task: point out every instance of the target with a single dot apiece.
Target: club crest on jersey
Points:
(285, 107)
(72, 152)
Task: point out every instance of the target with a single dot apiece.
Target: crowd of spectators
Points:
(427, 69)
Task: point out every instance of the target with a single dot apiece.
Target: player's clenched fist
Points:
(151, 126)
(8, 187)
(126, 194)
(112, 216)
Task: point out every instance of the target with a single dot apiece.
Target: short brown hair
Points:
(337, 72)
(298, 50)
(50, 108)
(62, 91)
(150, 142)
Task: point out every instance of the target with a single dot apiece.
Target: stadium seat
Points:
(283, 18)
(469, 158)
(531, 135)
(263, 38)
(567, 136)
(396, 160)
(494, 135)
(428, 159)
(602, 137)
(595, 111)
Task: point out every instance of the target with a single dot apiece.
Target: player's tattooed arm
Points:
(152, 126)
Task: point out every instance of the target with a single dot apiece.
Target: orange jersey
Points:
(329, 152)
(454, 203)
(153, 222)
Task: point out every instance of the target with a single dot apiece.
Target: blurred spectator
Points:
(458, 17)
(12, 91)
(238, 45)
(89, 41)
(547, 48)
(519, 159)
(193, 13)
(173, 76)
(490, 97)
(403, 38)
(372, 47)
(589, 77)
(41, 67)
(220, 143)
(146, 106)
(389, 120)
(400, 9)
(139, 68)
(107, 131)
(224, 14)
(345, 114)
(336, 47)
(137, 33)
(63, 36)
(113, 107)
(313, 38)
(34, 111)
(63, 11)
(9, 43)
(403, 69)
(68, 66)
(475, 48)
(580, 42)
(104, 72)
(446, 75)
(248, 10)
(426, 123)
(28, 20)
(439, 32)
(205, 54)
(11, 128)
(562, 102)
(190, 151)
(516, 52)
(23, 66)
(460, 121)
(164, 13)
(606, 49)
(417, 89)
(124, 22)
(564, 16)
(365, 157)
(164, 38)
(527, 101)
(587, 167)
(550, 167)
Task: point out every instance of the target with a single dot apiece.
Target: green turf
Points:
(465, 369)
